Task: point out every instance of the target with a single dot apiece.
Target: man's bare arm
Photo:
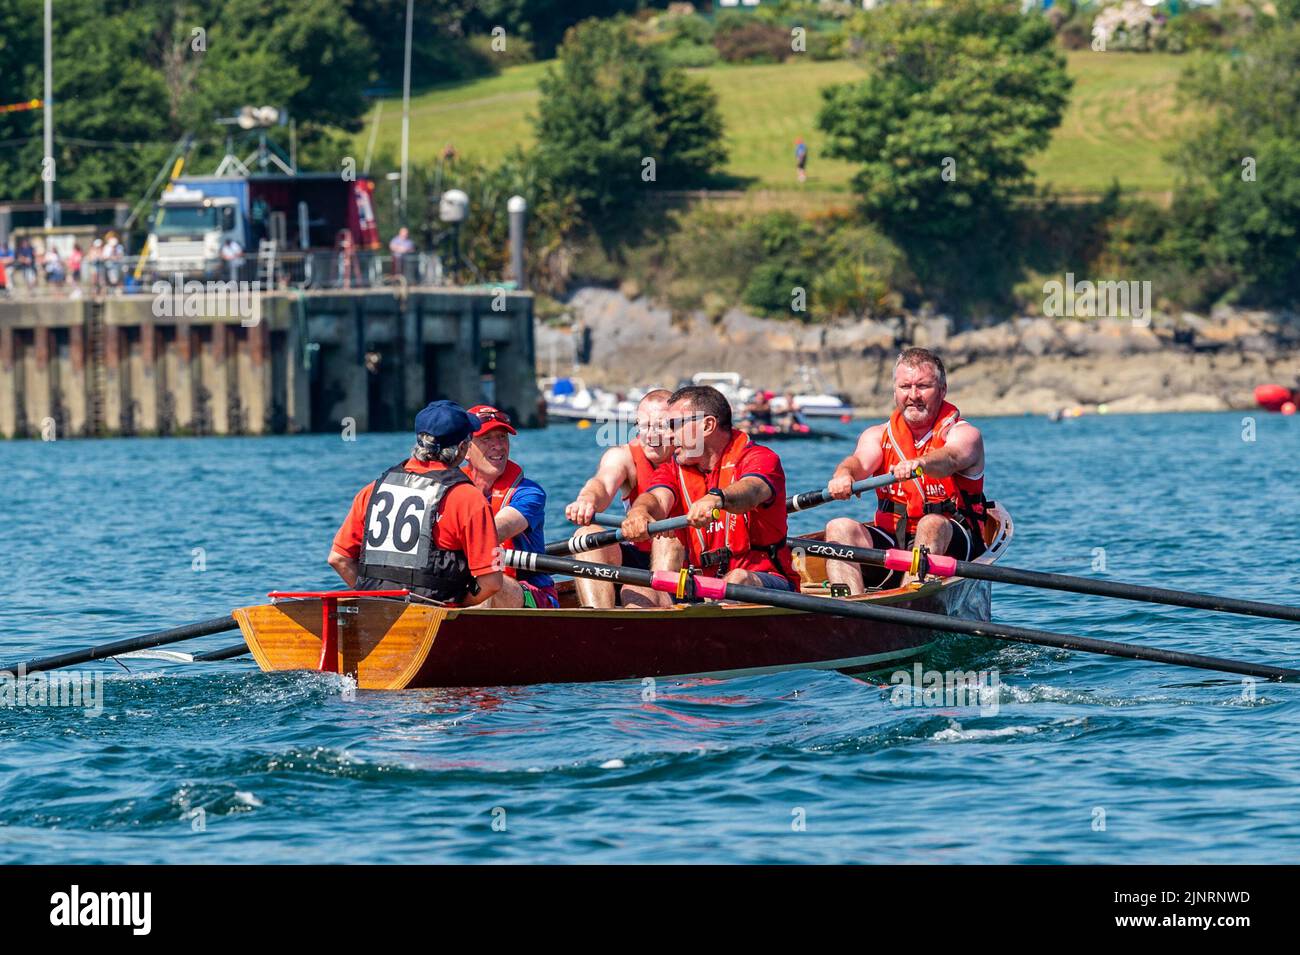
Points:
(863, 462)
(509, 523)
(611, 476)
(746, 494)
(963, 451)
(345, 567)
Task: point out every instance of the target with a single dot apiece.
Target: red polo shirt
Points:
(767, 523)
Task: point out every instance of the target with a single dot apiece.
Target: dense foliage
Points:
(123, 95)
(960, 98)
(616, 122)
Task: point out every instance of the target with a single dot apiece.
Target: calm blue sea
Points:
(1087, 759)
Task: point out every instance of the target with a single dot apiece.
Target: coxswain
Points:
(730, 488)
(627, 468)
(941, 510)
(422, 526)
(518, 507)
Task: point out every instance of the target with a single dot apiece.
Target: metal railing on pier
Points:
(295, 270)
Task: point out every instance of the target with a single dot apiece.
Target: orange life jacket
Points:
(958, 495)
(644, 472)
(502, 490)
(730, 531)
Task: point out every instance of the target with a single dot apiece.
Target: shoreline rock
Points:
(1027, 365)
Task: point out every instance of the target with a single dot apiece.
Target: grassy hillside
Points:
(1119, 125)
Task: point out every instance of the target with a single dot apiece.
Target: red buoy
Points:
(1272, 397)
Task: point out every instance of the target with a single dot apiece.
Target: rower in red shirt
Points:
(718, 470)
(423, 526)
(628, 468)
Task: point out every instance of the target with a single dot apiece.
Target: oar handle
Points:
(801, 502)
(581, 542)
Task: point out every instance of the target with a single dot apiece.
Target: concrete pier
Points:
(311, 361)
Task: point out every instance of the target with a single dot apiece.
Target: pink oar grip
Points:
(665, 580)
(710, 588)
(898, 560)
(943, 566)
(939, 565)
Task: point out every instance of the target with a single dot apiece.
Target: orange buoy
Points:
(1288, 407)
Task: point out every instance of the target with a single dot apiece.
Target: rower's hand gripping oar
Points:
(685, 585)
(799, 502)
(920, 563)
(580, 542)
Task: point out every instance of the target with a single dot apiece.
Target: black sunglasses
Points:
(675, 424)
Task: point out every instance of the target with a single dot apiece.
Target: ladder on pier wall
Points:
(98, 379)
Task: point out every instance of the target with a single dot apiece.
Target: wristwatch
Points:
(722, 498)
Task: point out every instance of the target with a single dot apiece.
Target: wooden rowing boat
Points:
(393, 643)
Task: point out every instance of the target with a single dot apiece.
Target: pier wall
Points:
(311, 361)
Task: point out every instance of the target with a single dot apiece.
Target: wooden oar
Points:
(942, 566)
(713, 588)
(799, 502)
(201, 629)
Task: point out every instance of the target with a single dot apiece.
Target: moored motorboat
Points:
(393, 643)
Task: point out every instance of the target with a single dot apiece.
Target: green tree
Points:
(1237, 209)
(131, 79)
(959, 98)
(610, 107)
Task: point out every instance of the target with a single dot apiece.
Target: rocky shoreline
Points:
(1023, 365)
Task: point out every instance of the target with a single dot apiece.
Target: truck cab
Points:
(189, 227)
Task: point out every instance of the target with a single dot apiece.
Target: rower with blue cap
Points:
(422, 525)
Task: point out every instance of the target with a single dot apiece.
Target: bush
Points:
(689, 55)
(828, 46)
(751, 41)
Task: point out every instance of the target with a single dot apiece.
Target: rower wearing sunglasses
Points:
(518, 507)
(629, 469)
(731, 489)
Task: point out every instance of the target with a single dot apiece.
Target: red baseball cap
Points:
(492, 419)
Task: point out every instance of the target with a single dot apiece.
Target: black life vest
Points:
(398, 549)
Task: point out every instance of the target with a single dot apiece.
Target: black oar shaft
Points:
(799, 502)
(225, 653)
(73, 657)
(912, 618)
(1064, 582)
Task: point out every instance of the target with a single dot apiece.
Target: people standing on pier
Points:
(941, 510)
(232, 253)
(730, 488)
(400, 246)
(423, 526)
(628, 468)
(25, 263)
(518, 508)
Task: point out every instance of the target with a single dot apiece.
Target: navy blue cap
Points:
(446, 421)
